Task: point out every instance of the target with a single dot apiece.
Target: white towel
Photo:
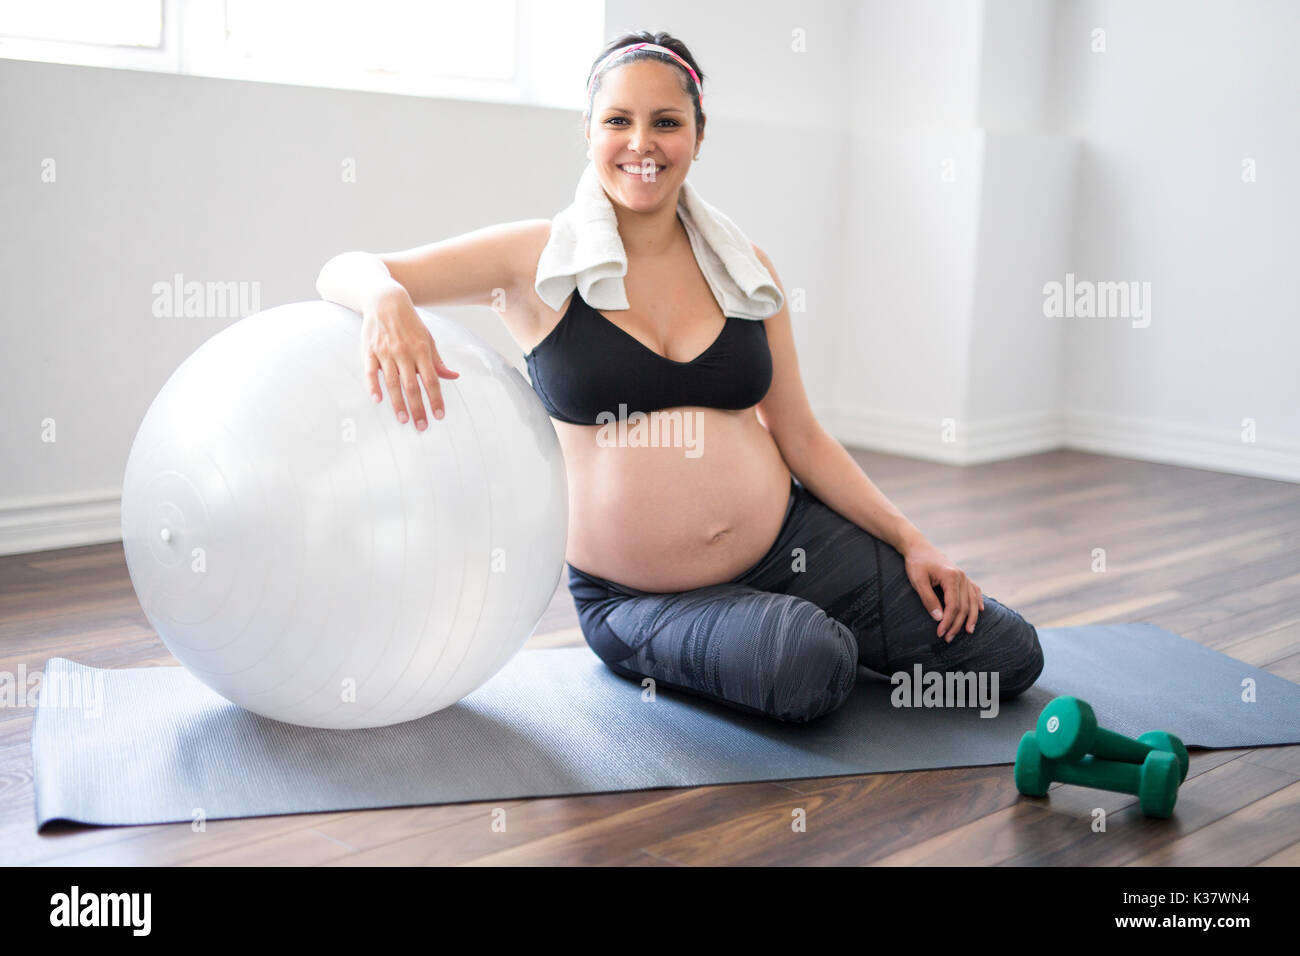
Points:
(586, 252)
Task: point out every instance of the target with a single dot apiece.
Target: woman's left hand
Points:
(926, 567)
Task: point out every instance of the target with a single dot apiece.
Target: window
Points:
(111, 23)
(517, 51)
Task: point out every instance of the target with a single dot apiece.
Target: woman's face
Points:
(642, 133)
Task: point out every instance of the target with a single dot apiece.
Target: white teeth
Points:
(637, 168)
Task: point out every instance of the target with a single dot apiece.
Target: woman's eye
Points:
(620, 118)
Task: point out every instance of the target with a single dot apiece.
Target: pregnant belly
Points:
(698, 507)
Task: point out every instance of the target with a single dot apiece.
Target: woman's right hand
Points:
(395, 341)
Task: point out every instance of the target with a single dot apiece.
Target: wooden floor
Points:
(1213, 557)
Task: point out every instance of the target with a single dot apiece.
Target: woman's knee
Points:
(1014, 649)
(1031, 667)
(593, 622)
(818, 671)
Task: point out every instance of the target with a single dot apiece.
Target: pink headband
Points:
(623, 51)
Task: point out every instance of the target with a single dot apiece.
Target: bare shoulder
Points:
(527, 239)
(528, 318)
(532, 235)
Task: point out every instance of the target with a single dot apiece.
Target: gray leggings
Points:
(786, 638)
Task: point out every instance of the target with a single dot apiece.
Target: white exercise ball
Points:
(312, 560)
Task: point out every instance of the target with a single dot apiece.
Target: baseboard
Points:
(975, 442)
(1177, 443)
(66, 521)
(967, 443)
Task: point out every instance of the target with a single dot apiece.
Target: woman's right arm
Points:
(478, 268)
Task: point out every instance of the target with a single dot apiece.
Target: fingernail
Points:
(401, 417)
(937, 615)
(437, 413)
(421, 425)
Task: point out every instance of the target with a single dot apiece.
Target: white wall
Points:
(958, 204)
(1117, 166)
(1166, 115)
(911, 242)
(1016, 361)
(923, 291)
(909, 234)
(915, 63)
(1015, 64)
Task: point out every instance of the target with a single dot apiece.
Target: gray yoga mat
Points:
(153, 745)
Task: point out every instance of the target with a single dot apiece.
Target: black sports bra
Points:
(588, 365)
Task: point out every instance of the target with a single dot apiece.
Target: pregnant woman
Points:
(758, 568)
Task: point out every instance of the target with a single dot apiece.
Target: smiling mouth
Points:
(636, 169)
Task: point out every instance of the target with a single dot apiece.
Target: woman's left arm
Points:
(824, 466)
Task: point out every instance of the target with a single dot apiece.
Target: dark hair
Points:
(661, 39)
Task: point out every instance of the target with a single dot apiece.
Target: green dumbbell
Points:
(1067, 729)
(1163, 740)
(1154, 781)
